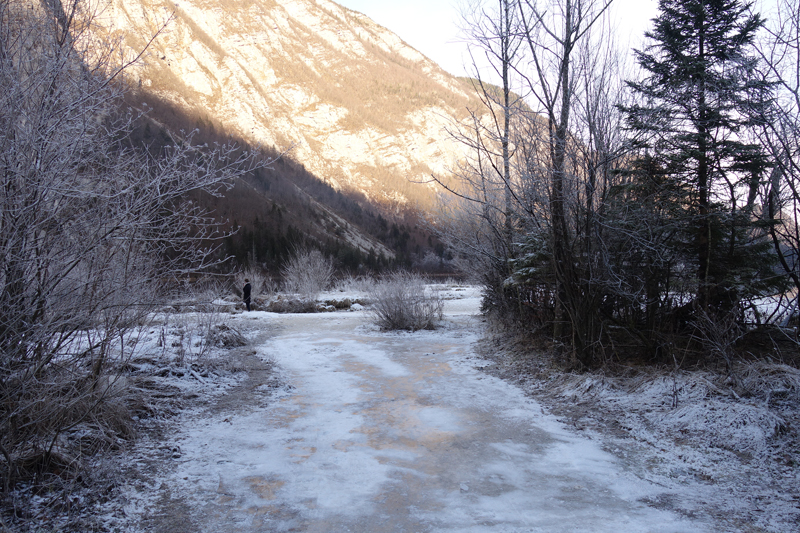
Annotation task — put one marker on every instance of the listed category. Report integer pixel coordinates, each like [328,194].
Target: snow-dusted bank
[373,431]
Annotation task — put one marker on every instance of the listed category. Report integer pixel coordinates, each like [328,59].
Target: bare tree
[542,149]
[484,182]
[93,230]
[554,33]
[779,49]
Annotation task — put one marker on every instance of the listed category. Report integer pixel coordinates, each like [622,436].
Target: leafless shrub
[204,292]
[93,232]
[349,283]
[307,272]
[719,334]
[345,303]
[196,333]
[69,421]
[402,301]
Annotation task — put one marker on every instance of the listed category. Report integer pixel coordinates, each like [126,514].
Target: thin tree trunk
[704,227]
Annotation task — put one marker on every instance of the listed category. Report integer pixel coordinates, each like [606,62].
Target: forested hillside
[281,205]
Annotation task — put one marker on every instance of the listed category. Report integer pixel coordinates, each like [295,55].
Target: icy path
[387,432]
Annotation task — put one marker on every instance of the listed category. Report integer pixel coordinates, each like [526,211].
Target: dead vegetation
[402,301]
[307,273]
[692,430]
[62,484]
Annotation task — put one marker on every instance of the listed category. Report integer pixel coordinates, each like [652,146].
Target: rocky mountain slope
[357,106]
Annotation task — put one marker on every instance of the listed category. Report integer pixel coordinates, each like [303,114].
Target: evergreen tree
[699,96]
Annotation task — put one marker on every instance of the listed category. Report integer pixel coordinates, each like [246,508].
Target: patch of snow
[714,453]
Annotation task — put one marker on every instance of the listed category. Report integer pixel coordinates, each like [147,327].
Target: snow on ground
[325,423]
[731,456]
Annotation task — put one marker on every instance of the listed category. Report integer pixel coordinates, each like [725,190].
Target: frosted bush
[355,284]
[307,272]
[403,301]
[769,380]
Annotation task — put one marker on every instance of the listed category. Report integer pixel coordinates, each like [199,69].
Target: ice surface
[379,431]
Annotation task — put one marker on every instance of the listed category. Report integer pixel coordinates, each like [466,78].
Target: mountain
[353,103]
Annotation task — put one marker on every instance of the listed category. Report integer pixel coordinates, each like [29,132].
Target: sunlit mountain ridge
[353,103]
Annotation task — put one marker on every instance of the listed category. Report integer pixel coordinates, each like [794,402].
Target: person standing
[246,293]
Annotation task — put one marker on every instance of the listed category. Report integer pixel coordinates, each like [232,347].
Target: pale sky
[432,26]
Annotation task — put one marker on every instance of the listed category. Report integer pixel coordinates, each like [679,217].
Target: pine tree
[698,98]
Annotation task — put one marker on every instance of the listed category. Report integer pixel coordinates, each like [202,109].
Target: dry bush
[93,231]
[402,301]
[359,284]
[718,335]
[725,424]
[196,333]
[209,293]
[307,272]
[772,381]
[74,416]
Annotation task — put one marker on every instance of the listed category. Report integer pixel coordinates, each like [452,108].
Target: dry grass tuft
[771,381]
[225,336]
